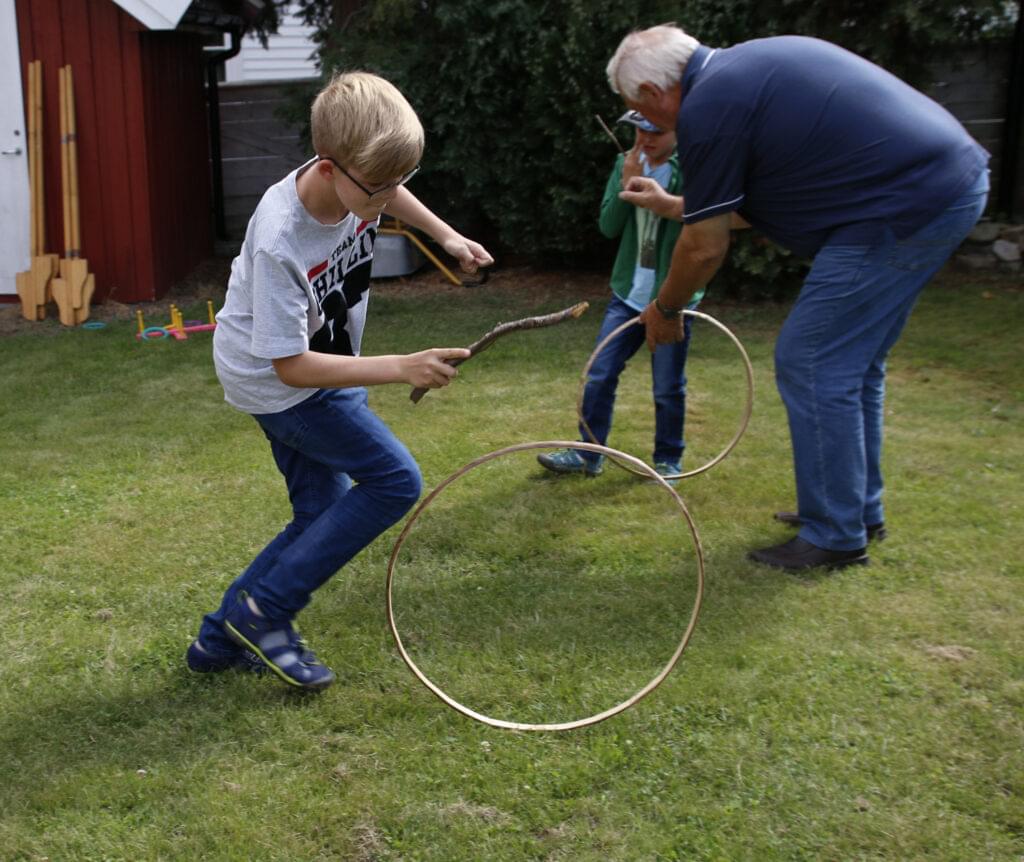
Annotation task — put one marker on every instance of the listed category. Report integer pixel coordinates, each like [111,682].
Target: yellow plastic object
[400,230]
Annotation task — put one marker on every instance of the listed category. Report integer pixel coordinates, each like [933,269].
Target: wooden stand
[74,289]
[34,284]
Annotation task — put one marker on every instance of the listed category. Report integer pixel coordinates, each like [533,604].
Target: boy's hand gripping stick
[501,329]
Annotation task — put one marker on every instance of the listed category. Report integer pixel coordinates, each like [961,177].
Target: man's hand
[645,192]
[428,368]
[631,167]
[470,255]
[658,330]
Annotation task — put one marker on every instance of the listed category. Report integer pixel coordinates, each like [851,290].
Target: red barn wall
[178,149]
[141,140]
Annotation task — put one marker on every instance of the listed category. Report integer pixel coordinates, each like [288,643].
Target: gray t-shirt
[296,285]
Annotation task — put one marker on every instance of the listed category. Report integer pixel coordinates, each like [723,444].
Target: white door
[14,192]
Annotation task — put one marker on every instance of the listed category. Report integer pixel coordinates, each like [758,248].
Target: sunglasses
[401,181]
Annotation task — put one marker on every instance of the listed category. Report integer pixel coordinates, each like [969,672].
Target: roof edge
[155,14]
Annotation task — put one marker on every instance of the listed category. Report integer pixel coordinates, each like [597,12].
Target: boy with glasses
[645,251]
[286,350]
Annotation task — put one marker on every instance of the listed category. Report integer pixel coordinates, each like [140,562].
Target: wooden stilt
[44,266]
[73,290]
[34,284]
[26,291]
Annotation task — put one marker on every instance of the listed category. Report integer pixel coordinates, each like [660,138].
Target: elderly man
[835,159]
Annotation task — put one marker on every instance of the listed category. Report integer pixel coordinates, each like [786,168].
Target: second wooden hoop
[744,421]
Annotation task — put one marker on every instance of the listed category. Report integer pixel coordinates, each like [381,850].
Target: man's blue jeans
[830,367]
[322,446]
[668,376]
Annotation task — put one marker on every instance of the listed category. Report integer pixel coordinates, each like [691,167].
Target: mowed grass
[874,713]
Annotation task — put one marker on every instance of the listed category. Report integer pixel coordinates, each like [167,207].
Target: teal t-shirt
[646,242]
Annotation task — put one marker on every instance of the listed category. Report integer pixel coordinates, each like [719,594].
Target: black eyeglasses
[370,194]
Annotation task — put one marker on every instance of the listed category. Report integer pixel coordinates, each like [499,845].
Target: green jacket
[618,218]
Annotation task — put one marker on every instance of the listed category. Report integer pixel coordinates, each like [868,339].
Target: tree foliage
[507,91]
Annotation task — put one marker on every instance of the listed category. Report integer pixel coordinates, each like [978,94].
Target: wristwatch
[668,313]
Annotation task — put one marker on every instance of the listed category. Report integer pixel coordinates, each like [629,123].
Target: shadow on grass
[551,598]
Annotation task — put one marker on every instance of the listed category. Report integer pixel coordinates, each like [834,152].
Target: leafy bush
[508,89]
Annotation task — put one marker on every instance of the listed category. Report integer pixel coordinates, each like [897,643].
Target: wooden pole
[43,265]
[40,172]
[74,288]
[76,238]
[33,161]
[64,170]
[25,281]
[61,289]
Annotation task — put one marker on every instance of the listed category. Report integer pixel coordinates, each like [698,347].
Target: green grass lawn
[876,713]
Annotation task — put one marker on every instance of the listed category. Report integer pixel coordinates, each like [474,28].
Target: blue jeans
[668,378]
[830,367]
[322,446]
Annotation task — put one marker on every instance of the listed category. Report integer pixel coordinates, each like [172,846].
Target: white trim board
[156,14]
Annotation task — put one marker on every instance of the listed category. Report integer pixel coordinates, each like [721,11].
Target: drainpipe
[213,61]
[1009,193]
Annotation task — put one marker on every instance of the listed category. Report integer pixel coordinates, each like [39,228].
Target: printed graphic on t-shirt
[340,283]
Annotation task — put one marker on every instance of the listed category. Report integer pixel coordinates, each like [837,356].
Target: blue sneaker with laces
[570,461]
[278,645]
[201,660]
[669,468]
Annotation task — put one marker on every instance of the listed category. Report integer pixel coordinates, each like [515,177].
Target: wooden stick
[43,264]
[30,114]
[35,149]
[76,236]
[36,167]
[37,155]
[65,170]
[40,172]
[501,329]
[611,134]
[33,243]
[26,281]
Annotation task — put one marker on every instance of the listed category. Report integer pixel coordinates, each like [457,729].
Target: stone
[1013,233]
[985,231]
[975,261]
[1006,250]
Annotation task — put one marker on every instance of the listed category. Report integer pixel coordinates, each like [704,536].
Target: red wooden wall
[142,142]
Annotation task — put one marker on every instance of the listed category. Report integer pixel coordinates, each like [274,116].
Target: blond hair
[364,122]
[657,55]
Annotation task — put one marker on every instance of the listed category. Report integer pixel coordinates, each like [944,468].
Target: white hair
[657,56]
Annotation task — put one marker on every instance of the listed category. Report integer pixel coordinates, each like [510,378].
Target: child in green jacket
[645,251]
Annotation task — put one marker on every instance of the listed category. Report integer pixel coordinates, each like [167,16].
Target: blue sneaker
[570,461]
[669,468]
[201,660]
[277,645]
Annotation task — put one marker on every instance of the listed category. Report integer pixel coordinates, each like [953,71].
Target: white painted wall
[15,216]
[286,58]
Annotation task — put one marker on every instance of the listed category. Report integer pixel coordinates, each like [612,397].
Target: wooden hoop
[566,725]
[744,421]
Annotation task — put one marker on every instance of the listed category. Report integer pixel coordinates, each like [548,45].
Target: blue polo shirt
[810,143]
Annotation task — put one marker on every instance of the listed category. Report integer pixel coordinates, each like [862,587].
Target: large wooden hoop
[565,725]
[744,420]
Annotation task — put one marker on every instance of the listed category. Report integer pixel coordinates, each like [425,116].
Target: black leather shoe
[876,532]
[798,553]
